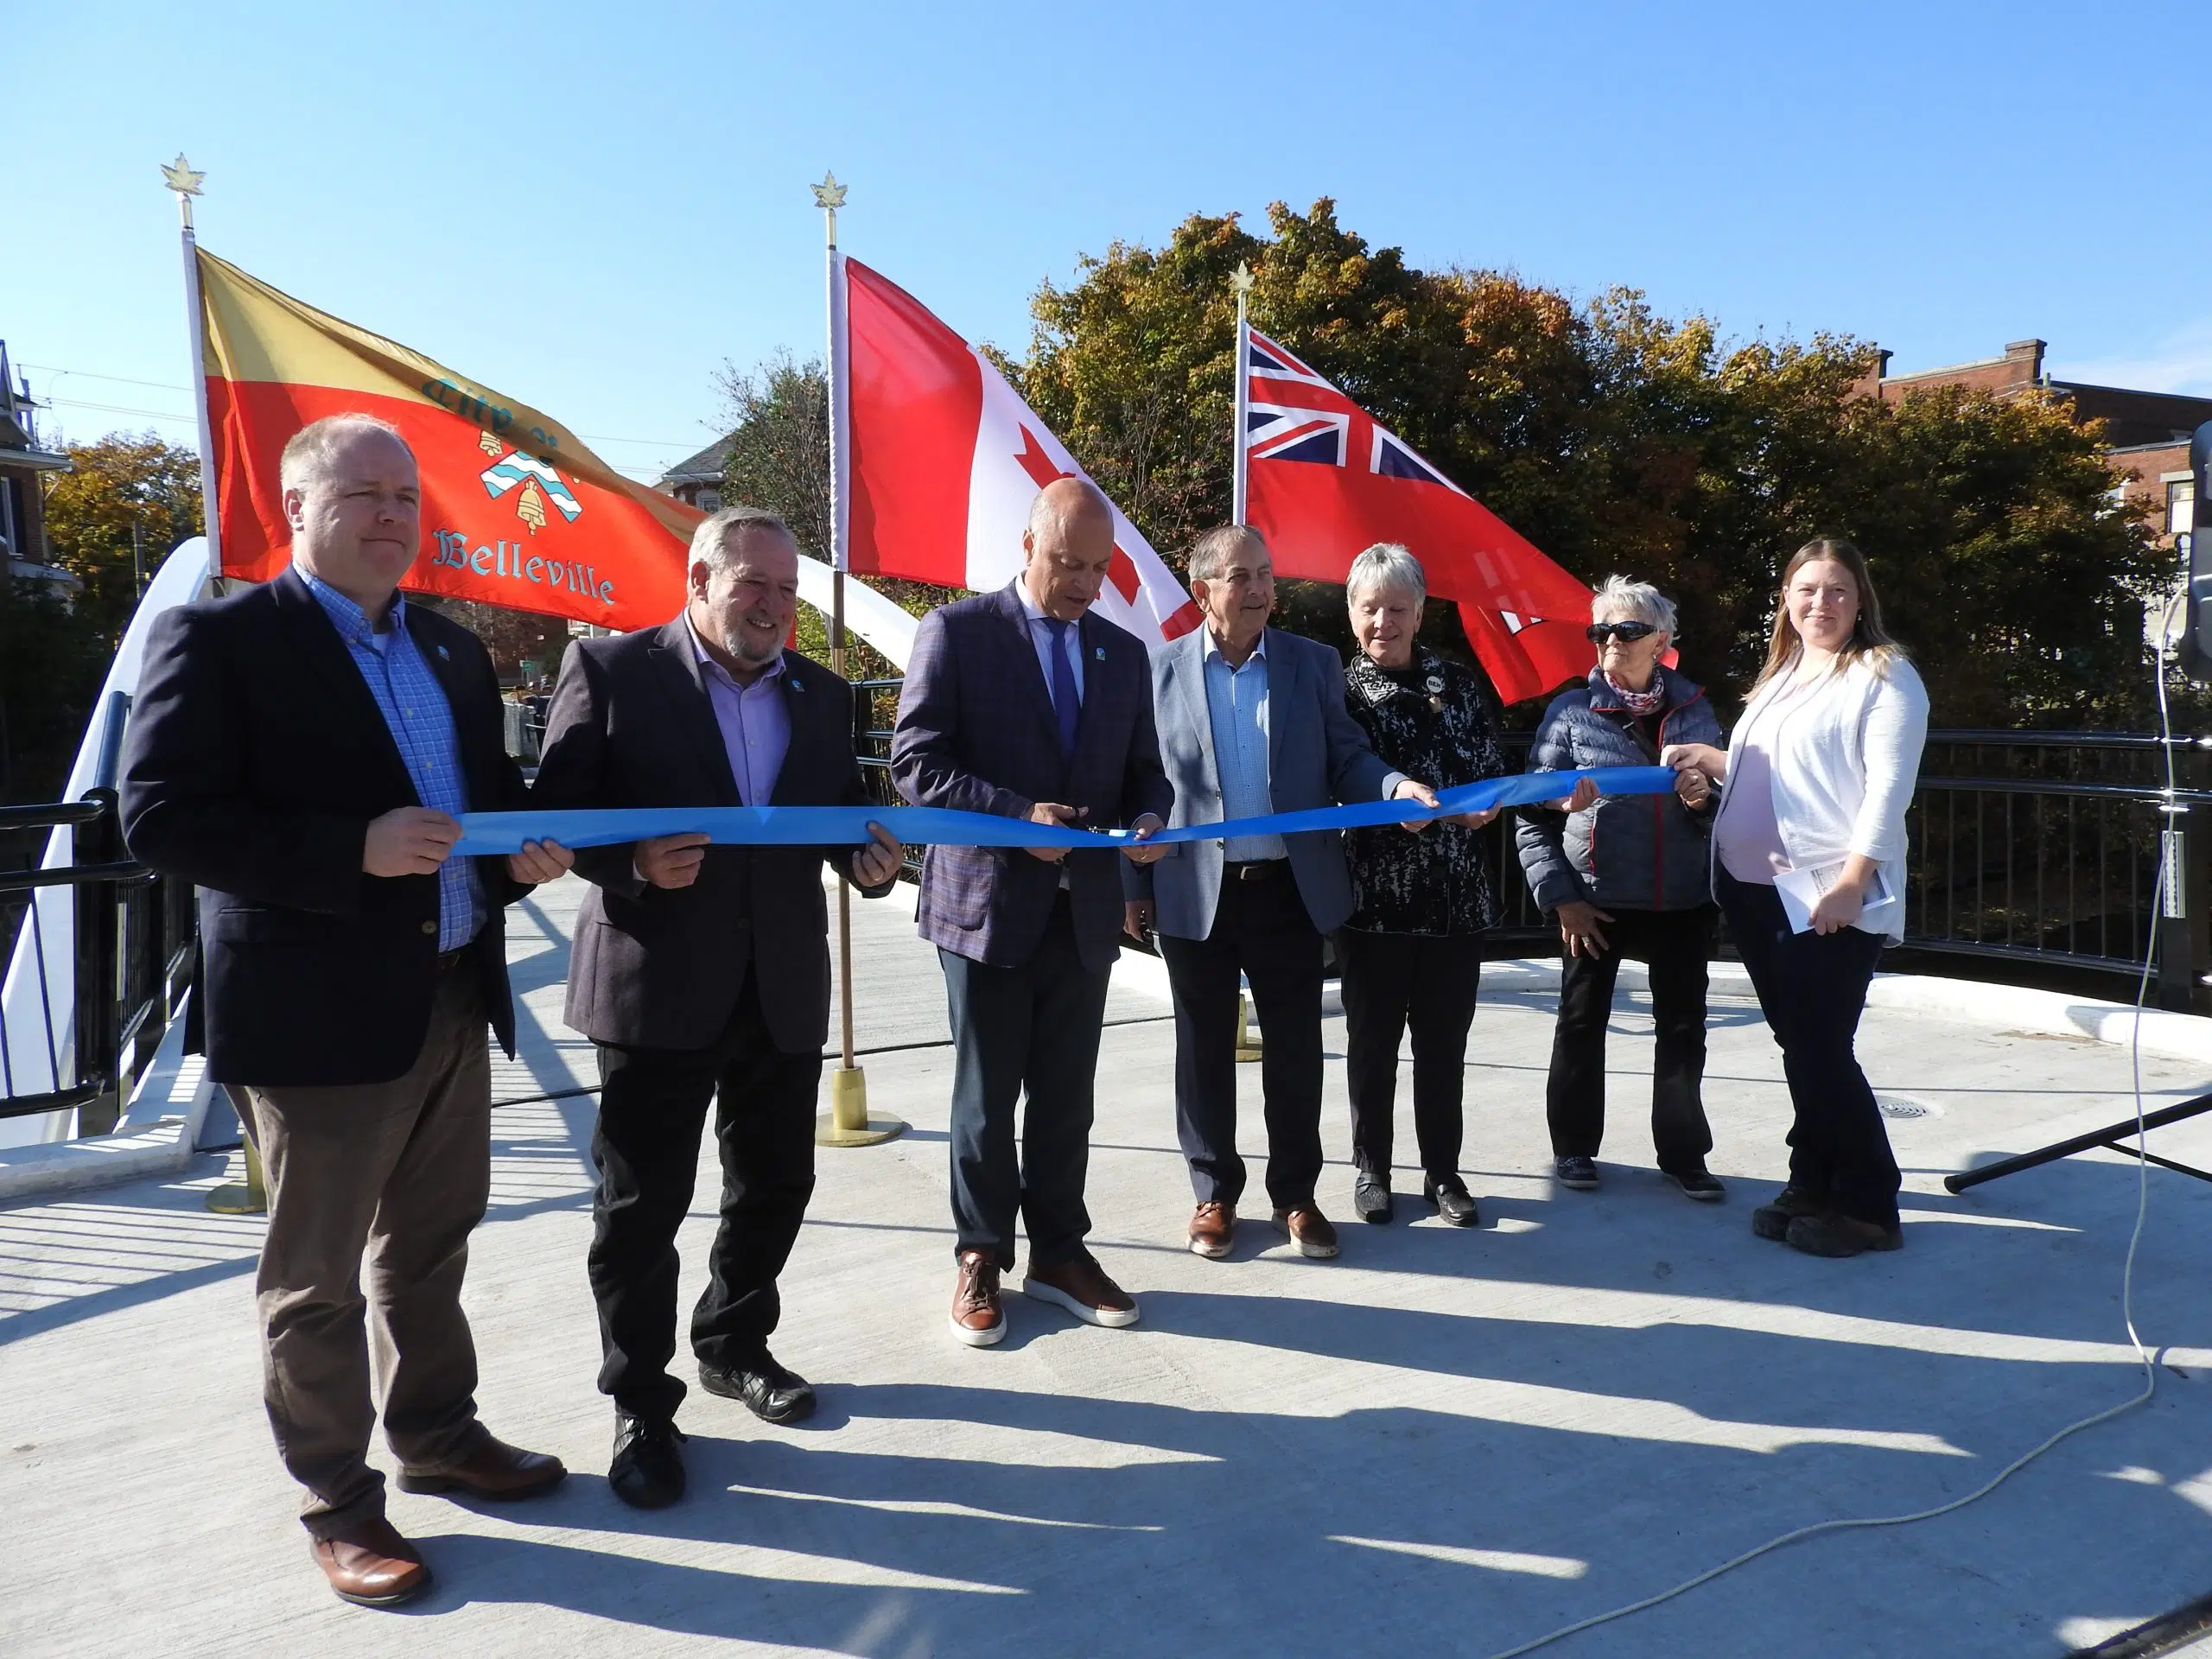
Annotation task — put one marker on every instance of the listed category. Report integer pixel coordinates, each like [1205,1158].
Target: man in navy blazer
[1252,720]
[300,750]
[1026,704]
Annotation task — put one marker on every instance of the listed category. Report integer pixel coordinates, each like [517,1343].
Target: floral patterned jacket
[1430,722]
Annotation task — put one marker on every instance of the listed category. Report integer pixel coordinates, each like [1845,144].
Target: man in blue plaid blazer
[1024,704]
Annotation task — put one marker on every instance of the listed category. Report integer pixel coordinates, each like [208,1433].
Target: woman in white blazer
[1808,866]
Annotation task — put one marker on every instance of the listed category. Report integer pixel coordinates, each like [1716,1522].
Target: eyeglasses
[1627,633]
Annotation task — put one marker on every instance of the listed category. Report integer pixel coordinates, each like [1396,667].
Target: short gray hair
[1216,547]
[307,455]
[1387,564]
[712,541]
[1640,600]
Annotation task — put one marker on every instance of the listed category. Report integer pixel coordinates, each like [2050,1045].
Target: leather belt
[449,960]
[1254,869]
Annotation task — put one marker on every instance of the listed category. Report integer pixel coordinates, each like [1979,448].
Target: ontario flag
[1322,482]
[936,459]
[516,510]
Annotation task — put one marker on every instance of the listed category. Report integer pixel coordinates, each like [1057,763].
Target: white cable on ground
[2126,1282]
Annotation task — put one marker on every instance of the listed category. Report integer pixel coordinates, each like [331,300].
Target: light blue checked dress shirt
[421,722]
[1236,703]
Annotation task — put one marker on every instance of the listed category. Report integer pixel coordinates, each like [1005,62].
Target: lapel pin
[443,652]
[1100,653]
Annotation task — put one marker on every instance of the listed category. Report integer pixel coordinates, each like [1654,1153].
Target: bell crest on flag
[539,485]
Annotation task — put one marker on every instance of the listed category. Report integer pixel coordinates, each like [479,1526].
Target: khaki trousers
[402,1170]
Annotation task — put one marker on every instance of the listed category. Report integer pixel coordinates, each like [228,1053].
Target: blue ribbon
[485,833]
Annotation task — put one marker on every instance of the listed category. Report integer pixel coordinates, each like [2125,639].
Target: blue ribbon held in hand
[484,834]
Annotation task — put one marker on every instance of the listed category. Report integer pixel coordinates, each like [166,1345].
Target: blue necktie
[1065,703]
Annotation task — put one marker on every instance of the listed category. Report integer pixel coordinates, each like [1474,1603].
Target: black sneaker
[1454,1203]
[1772,1220]
[771,1392]
[1580,1173]
[1370,1197]
[647,1470]
[1700,1184]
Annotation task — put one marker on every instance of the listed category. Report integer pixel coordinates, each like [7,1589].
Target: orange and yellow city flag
[516,510]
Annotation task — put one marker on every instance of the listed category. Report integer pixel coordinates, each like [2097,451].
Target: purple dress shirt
[756,725]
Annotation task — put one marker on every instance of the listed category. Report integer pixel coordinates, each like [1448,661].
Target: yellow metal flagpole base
[846,1123]
[249,1197]
[1248,1041]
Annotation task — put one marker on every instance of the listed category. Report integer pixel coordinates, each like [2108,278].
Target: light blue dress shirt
[1237,705]
[1041,637]
[419,719]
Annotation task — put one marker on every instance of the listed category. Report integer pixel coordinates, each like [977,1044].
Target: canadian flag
[936,460]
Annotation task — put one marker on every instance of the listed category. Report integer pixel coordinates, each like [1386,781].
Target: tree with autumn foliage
[1616,439]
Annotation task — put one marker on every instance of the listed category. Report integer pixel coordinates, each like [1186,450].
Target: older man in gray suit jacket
[1251,720]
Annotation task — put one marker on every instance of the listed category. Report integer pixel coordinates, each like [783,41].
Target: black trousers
[1260,929]
[1391,981]
[1677,946]
[653,1109]
[1033,1027]
[1812,989]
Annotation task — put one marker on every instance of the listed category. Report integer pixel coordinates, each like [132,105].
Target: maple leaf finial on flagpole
[830,196]
[1240,283]
[179,176]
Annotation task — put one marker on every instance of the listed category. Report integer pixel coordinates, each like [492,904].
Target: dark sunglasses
[1627,633]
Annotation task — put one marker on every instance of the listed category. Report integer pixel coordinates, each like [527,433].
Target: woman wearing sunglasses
[1626,876]
[1808,865]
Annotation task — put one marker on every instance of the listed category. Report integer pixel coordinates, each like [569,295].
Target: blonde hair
[1868,643]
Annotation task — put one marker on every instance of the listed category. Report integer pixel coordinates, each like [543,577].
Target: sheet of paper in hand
[1800,890]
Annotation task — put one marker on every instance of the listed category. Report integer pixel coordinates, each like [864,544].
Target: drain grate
[1901,1108]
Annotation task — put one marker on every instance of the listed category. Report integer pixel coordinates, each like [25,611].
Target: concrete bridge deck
[1449,1441]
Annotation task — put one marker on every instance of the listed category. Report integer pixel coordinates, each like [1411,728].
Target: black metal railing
[2034,848]
[82,1046]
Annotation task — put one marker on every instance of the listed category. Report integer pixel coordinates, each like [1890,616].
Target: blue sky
[590,209]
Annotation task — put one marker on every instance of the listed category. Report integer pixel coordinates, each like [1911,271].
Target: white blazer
[1845,755]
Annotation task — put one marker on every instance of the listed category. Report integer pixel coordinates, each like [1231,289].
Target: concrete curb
[155,1137]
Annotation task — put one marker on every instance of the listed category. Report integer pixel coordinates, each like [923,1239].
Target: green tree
[123,488]
[1616,439]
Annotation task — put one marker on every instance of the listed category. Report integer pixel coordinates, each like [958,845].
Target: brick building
[2146,432]
[696,482]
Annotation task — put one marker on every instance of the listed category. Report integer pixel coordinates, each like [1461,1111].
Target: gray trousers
[400,1171]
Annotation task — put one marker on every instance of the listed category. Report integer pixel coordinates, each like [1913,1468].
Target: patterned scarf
[1639,703]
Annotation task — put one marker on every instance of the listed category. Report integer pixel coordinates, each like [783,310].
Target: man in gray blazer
[1252,720]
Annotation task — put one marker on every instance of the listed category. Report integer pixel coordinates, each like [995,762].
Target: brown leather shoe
[977,1318]
[1081,1286]
[1213,1230]
[369,1565]
[493,1469]
[1308,1229]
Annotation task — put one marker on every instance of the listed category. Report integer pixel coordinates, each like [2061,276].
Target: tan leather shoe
[493,1469]
[1083,1289]
[1213,1230]
[1308,1229]
[977,1318]
[369,1565]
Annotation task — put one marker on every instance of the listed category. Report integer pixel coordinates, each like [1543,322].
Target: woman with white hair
[1626,876]
[1411,954]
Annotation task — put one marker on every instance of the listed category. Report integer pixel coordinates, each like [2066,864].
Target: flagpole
[1241,280]
[847,1122]
[251,1196]
[179,176]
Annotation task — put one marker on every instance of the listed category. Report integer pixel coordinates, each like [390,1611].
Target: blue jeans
[1812,989]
